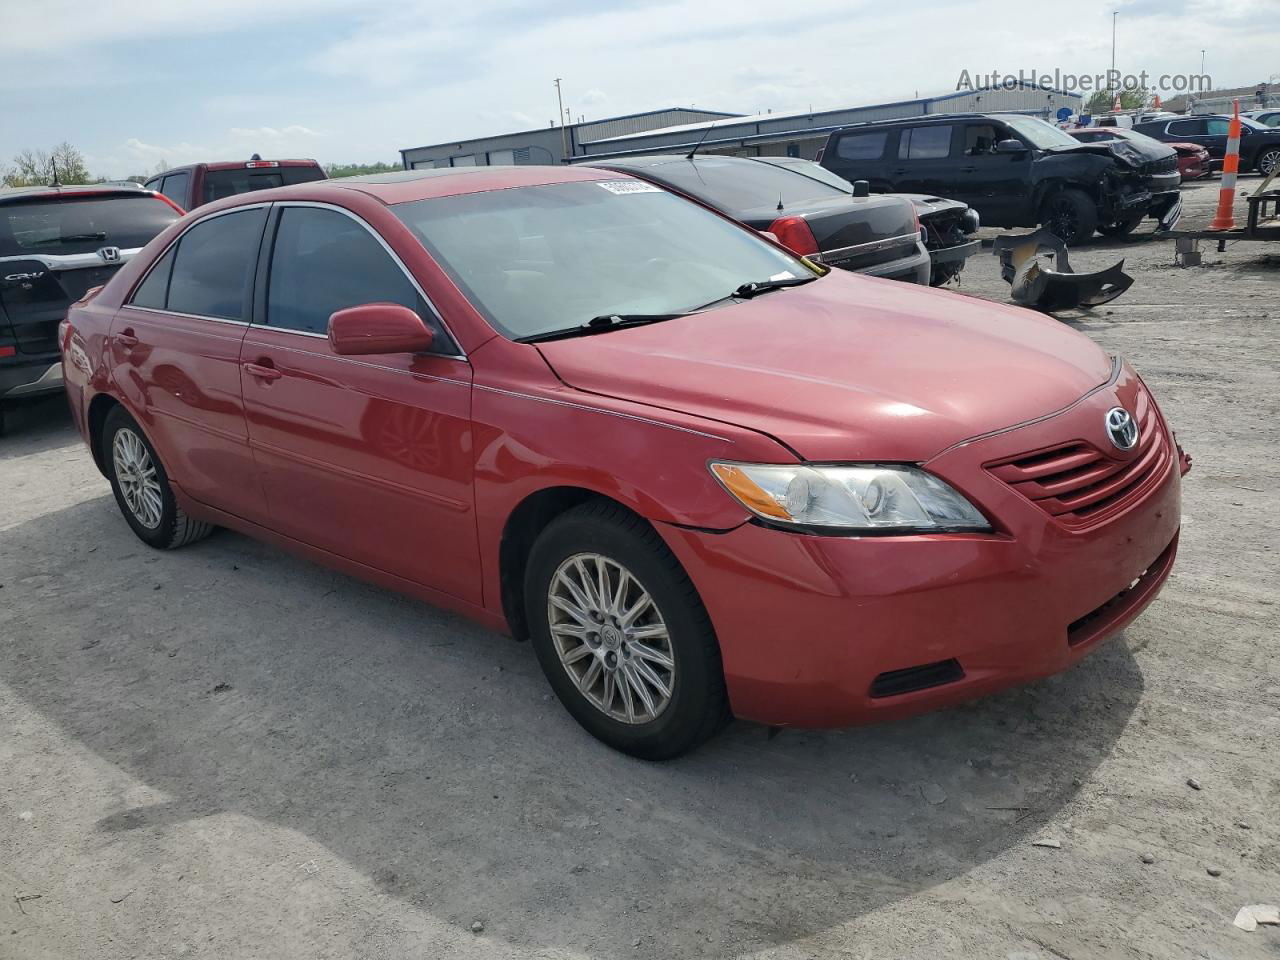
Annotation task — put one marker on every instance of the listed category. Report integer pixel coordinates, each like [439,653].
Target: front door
[175,353]
[994,184]
[366,457]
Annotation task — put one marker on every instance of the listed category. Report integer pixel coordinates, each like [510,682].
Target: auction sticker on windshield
[628,186]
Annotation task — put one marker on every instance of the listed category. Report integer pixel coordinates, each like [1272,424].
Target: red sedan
[703,476]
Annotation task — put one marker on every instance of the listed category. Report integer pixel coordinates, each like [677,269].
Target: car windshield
[1043,136]
[1254,124]
[540,259]
[66,225]
[735,184]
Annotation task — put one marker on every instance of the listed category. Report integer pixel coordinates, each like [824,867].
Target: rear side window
[324,261]
[153,291]
[175,188]
[229,183]
[213,269]
[1187,128]
[924,143]
[63,225]
[862,146]
[1218,127]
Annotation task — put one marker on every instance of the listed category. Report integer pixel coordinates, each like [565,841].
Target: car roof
[659,159]
[232,165]
[933,118]
[70,191]
[405,186]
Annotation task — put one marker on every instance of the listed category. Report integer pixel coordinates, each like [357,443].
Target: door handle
[262,372]
[968,169]
[127,338]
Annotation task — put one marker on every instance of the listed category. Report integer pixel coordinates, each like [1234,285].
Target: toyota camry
[705,477]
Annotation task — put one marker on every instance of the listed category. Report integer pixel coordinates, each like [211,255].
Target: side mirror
[861,188]
[377,328]
[1011,146]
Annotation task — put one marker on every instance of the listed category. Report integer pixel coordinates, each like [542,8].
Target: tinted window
[175,188]
[537,259]
[322,262]
[924,143]
[735,184]
[228,183]
[980,139]
[1187,128]
[153,290]
[862,146]
[213,272]
[62,225]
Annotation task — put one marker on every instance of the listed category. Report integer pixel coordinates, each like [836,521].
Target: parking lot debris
[1242,825]
[933,794]
[221,688]
[1148,858]
[1187,252]
[1036,267]
[122,897]
[1049,842]
[477,926]
[1213,871]
[1250,916]
[1193,783]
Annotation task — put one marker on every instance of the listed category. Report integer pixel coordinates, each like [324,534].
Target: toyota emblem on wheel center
[1122,429]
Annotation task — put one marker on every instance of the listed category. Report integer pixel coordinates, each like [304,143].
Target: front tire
[141,486]
[1070,215]
[1267,161]
[622,635]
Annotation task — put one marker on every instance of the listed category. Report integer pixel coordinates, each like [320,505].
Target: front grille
[895,682]
[1079,484]
[1167,165]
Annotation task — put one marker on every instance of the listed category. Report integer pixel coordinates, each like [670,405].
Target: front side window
[175,188]
[980,139]
[539,259]
[924,143]
[324,261]
[862,146]
[213,267]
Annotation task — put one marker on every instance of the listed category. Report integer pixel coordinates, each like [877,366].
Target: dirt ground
[226,752]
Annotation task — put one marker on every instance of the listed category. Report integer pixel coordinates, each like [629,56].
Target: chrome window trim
[189,316]
[435,311]
[870,247]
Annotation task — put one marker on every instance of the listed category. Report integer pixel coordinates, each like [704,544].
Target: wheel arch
[100,408]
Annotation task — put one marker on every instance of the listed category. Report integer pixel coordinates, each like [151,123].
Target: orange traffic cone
[1116,107]
[1155,104]
[1224,220]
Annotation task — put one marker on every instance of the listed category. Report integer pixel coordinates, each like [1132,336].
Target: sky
[137,84]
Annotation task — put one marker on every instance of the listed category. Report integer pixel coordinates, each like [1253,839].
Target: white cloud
[273,133]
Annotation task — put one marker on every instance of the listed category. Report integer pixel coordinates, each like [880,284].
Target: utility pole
[1114,14]
[1202,63]
[564,137]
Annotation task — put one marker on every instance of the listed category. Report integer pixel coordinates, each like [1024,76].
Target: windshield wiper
[602,324]
[73,238]
[756,287]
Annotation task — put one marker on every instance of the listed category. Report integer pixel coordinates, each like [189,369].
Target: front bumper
[809,626]
[31,378]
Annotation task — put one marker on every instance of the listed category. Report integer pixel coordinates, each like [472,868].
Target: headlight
[848,499]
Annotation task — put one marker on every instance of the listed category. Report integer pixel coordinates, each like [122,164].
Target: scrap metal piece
[1037,268]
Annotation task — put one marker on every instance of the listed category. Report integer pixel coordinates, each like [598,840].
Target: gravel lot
[227,752]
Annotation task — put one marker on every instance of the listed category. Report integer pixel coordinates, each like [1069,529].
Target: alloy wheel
[1064,221]
[611,638]
[1268,162]
[137,477]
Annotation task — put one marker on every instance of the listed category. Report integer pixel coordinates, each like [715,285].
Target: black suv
[1259,144]
[55,244]
[1016,171]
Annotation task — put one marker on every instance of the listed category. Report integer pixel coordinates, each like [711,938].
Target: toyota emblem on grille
[110,254]
[1122,429]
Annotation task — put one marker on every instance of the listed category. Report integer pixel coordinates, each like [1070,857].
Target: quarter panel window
[1187,128]
[925,143]
[154,290]
[862,146]
[213,269]
[324,261]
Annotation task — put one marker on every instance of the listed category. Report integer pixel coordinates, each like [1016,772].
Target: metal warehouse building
[679,128]
[546,145]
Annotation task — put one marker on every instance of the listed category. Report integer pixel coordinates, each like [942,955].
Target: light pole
[1114,14]
[564,141]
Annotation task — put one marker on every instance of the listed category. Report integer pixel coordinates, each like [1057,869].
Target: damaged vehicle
[878,236]
[949,225]
[1158,165]
[1016,171]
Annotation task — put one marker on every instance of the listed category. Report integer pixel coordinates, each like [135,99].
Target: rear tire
[1071,215]
[664,661]
[141,486]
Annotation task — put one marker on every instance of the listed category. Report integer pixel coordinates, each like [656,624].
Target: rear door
[53,250]
[860,155]
[366,457]
[924,163]
[175,353]
[1198,130]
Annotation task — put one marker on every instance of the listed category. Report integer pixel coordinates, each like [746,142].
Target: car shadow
[35,425]
[427,753]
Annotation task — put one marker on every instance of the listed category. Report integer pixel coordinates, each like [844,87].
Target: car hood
[846,368]
[1131,153]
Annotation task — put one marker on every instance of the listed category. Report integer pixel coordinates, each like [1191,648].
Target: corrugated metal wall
[621,126]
